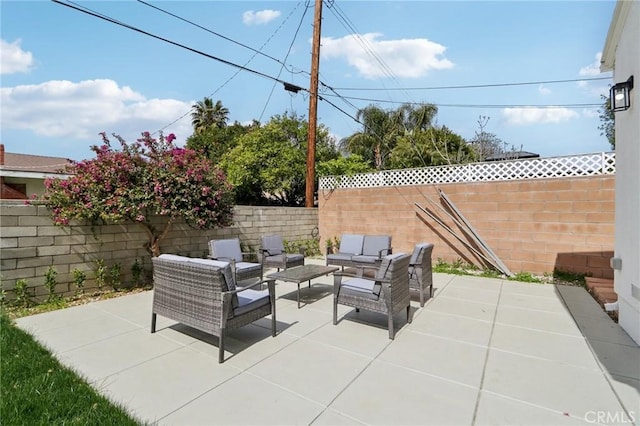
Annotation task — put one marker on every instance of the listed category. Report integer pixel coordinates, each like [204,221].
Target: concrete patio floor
[481,352]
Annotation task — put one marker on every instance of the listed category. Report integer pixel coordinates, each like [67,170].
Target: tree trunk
[155,240]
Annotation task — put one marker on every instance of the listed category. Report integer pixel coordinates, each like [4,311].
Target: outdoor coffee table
[302,273]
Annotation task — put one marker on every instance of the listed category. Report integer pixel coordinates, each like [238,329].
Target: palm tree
[205,114]
[382,130]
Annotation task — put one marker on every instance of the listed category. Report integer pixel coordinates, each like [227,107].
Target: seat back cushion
[417,252]
[351,243]
[273,244]
[374,243]
[229,249]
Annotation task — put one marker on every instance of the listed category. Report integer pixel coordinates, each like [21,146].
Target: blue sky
[66,76]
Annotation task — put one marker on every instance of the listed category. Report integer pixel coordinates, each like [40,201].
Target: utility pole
[313,106]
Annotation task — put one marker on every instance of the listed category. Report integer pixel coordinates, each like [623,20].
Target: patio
[482,351]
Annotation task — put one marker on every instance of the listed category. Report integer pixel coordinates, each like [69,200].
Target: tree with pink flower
[150,177]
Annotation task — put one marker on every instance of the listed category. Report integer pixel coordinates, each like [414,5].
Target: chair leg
[391,331]
[221,347]
[421,297]
[335,311]
[153,323]
[357,309]
[408,313]
[273,322]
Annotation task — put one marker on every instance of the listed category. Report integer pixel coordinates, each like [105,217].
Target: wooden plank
[444,225]
[476,236]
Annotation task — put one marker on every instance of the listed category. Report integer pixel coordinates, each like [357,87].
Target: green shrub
[101,274]
[50,283]
[115,275]
[136,272]
[79,277]
[21,292]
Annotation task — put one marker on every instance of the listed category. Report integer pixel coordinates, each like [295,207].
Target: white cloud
[13,59]
[405,57]
[593,68]
[543,90]
[590,113]
[534,115]
[81,110]
[261,17]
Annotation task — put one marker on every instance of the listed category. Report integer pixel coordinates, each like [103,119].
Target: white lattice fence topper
[538,168]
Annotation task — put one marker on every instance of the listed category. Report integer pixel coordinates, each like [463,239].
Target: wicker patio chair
[273,255]
[229,250]
[387,292]
[201,293]
[420,272]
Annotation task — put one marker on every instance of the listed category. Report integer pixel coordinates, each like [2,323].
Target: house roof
[620,14]
[27,165]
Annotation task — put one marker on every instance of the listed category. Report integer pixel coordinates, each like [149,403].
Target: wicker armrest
[384,252]
[346,274]
[257,283]
[226,259]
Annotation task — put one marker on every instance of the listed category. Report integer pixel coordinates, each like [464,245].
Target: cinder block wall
[532,225]
[30,243]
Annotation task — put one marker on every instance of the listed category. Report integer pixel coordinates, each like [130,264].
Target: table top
[302,273]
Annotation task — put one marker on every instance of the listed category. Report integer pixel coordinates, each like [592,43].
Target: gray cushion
[228,249]
[248,266]
[365,259]
[273,244]
[249,300]
[373,244]
[416,252]
[361,287]
[339,256]
[282,257]
[351,243]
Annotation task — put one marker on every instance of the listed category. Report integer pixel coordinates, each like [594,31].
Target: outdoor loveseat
[202,294]
[357,250]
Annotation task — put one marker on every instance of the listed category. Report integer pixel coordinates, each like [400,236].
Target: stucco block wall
[30,243]
[532,225]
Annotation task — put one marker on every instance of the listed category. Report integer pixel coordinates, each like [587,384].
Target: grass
[14,310]
[37,389]
[570,277]
[460,268]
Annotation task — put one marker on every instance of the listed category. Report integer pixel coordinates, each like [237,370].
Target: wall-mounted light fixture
[620,96]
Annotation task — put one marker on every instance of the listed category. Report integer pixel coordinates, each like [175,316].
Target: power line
[295,36]
[368,48]
[476,86]
[256,52]
[216,33]
[586,105]
[199,52]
